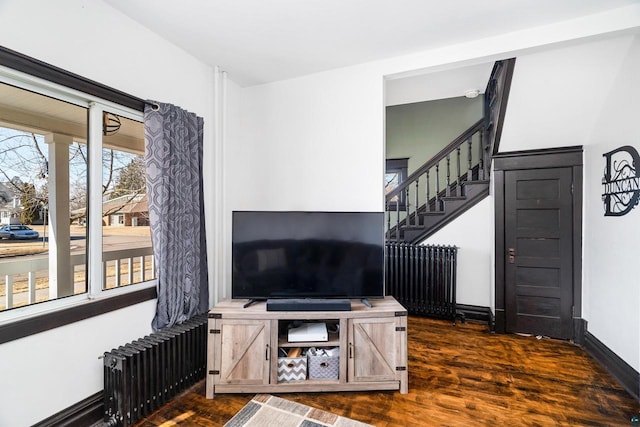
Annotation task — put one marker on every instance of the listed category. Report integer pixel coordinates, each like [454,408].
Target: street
[113,238]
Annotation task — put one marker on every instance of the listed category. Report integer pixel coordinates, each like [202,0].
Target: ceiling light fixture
[472,93]
[110,124]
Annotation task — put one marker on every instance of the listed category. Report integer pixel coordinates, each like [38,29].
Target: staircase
[457,177]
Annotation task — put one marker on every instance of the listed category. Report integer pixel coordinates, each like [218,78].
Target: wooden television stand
[244,344]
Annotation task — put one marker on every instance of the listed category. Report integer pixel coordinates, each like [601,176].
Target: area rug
[266,410]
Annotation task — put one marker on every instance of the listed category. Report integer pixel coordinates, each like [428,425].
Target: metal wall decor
[621,181]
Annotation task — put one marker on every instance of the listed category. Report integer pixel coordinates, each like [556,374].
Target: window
[43,172]
[71,256]
[126,237]
[395,174]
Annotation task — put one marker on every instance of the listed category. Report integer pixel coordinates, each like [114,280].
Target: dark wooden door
[538,233]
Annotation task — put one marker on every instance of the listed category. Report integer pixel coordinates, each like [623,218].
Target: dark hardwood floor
[459,375]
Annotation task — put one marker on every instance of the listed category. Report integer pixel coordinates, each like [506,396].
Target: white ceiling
[260,41]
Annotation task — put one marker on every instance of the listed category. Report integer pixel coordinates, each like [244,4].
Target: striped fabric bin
[292,369]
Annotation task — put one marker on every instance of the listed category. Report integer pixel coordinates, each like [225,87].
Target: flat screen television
[307,254]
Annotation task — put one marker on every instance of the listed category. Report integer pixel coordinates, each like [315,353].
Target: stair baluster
[388,211]
[428,198]
[458,180]
[415,210]
[483,156]
[398,218]
[447,192]
[406,205]
[469,159]
[480,159]
[438,187]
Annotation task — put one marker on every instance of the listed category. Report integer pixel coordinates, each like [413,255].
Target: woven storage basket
[292,369]
[324,367]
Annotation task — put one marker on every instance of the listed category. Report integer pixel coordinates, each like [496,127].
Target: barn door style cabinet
[368,348]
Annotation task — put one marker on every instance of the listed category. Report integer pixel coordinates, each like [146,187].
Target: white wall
[472,233]
[557,95]
[588,95]
[316,142]
[45,373]
[611,254]
[313,143]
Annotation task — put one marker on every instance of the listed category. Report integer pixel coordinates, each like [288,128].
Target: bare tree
[131,178]
[23,173]
[24,170]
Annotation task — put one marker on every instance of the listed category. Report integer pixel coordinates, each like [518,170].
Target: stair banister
[422,219]
[442,154]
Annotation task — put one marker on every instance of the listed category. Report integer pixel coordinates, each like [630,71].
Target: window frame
[31,74]
[400,167]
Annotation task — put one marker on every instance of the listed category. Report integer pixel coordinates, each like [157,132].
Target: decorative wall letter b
[621,181]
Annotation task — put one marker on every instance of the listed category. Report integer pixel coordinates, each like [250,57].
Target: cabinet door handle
[350,350]
[267,353]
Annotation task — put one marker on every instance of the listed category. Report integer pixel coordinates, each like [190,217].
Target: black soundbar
[308,304]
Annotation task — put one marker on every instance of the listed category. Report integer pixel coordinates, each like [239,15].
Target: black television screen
[307,254]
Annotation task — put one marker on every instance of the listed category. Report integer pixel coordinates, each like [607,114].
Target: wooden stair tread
[413,227]
[432,213]
[453,206]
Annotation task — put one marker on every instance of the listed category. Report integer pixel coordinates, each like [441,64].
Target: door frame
[538,159]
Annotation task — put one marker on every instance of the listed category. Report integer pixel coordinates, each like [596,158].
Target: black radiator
[141,376]
[422,278]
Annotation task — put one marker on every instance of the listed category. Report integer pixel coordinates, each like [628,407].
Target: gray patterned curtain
[173,161]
